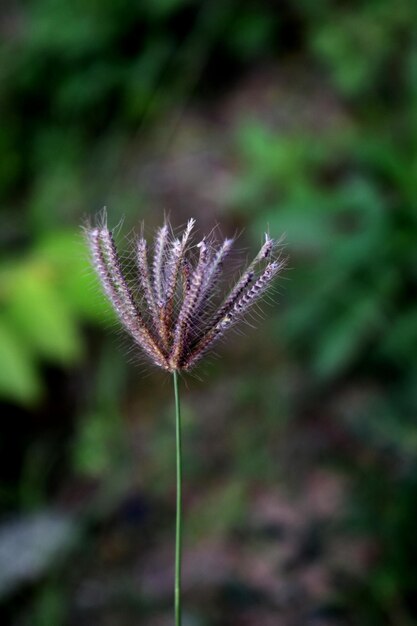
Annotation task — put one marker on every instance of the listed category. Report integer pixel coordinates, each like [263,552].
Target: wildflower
[177,316]
[178,319]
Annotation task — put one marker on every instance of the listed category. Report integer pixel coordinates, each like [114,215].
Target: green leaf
[19,378]
[67,255]
[41,317]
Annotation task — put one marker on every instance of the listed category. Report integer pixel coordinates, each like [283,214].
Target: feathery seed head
[179,319]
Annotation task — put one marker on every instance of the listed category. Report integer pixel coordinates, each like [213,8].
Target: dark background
[300,442]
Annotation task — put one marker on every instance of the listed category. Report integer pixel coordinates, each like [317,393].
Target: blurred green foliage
[81,82]
[348,304]
[46,295]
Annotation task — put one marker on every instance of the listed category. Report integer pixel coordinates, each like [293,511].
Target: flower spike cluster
[176,319]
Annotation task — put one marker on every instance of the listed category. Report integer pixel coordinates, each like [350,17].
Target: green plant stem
[178,536]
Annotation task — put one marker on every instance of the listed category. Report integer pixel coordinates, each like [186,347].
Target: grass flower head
[178,316]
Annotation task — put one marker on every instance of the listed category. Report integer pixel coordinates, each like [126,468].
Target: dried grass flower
[176,315]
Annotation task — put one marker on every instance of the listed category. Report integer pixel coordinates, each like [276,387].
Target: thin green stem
[178,536]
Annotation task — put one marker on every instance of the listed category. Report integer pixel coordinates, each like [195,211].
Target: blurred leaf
[340,342]
[41,317]
[19,378]
[275,157]
[81,33]
[355,48]
[66,253]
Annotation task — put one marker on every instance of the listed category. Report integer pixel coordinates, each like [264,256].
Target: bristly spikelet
[107,264]
[144,276]
[161,240]
[180,321]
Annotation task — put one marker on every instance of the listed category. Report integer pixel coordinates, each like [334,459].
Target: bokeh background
[301,440]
